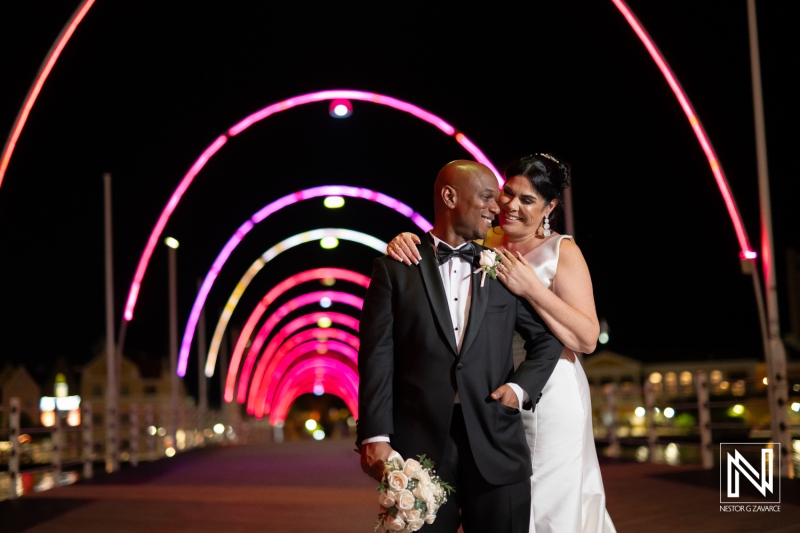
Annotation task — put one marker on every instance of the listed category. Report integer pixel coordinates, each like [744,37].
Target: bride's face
[522,208]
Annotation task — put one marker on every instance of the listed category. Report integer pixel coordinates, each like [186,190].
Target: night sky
[142,89]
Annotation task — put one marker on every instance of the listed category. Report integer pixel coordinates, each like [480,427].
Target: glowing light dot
[765,381]
[329,242]
[318,434]
[170,452]
[219,429]
[311,424]
[328,282]
[324,322]
[737,409]
[172,243]
[639,411]
[669,412]
[325,302]
[333,202]
[319,389]
[603,338]
[796,407]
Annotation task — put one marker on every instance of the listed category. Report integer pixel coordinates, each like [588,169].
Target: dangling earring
[546,231]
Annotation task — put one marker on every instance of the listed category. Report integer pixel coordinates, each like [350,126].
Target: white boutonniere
[488,262]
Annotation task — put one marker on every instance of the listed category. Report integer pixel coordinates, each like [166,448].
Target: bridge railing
[648,418]
[61,453]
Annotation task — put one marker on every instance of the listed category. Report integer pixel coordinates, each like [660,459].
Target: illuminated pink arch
[277,341]
[238,236]
[315,349]
[267,385]
[746,252]
[281,312]
[261,262]
[219,142]
[262,389]
[271,296]
[339,380]
[83,8]
[44,71]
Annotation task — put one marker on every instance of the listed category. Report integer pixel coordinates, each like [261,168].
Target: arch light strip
[271,296]
[255,268]
[306,350]
[278,315]
[302,378]
[61,41]
[155,235]
[260,396]
[746,251]
[261,215]
[275,344]
[44,71]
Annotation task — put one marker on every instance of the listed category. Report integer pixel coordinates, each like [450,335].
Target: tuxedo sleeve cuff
[379,438]
[522,396]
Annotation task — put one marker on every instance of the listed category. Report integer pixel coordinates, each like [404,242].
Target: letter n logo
[754,463]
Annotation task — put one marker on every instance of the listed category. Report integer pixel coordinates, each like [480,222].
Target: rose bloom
[397,480]
[405,500]
[387,499]
[416,524]
[488,257]
[394,523]
[411,514]
[412,467]
[430,518]
[423,492]
[424,477]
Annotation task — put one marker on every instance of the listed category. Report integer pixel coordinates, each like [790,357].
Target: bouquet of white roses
[410,494]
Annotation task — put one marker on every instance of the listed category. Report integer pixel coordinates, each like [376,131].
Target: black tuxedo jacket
[410,367]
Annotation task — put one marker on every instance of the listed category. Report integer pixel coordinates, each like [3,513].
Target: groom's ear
[449,195]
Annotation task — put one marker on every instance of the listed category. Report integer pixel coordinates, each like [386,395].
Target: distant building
[15,381]
[144,393]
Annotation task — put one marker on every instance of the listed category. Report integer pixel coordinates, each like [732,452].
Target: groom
[435,365]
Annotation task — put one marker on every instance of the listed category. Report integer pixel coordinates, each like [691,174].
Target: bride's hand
[515,272]
[402,248]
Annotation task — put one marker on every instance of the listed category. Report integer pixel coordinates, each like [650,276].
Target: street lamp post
[173,339]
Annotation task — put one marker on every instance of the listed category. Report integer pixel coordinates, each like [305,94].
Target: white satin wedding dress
[567,494]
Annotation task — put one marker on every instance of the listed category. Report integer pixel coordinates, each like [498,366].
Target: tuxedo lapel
[432,279]
[477,308]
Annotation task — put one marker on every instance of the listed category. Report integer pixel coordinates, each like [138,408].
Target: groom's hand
[505,395]
[373,458]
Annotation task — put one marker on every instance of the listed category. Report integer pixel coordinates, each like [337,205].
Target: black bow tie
[444,253]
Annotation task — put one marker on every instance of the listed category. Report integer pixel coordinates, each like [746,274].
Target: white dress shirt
[457,280]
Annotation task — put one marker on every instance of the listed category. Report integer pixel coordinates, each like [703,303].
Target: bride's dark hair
[549,175]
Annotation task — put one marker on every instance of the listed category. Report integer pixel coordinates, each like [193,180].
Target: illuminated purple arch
[285,309]
[61,41]
[219,142]
[238,236]
[272,295]
[255,268]
[277,341]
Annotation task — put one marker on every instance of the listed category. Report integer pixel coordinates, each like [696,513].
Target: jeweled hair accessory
[551,158]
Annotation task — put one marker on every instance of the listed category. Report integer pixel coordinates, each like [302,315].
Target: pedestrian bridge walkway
[318,487]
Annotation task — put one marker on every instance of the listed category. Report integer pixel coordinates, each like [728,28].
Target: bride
[550,272]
